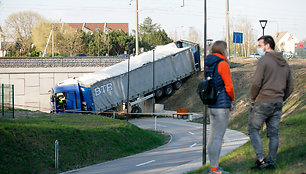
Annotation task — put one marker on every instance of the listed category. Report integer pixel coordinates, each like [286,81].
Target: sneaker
[270,165]
[218,171]
[260,165]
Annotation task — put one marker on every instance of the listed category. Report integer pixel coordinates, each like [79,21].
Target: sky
[282,15]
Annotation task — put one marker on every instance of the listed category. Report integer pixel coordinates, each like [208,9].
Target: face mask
[260,51]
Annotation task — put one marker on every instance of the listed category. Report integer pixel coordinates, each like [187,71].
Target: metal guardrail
[49,62]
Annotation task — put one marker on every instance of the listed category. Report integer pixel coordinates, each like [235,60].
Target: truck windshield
[60,100]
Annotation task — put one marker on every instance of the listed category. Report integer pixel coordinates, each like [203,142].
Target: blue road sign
[237,37]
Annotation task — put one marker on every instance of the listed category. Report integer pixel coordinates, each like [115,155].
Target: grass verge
[27,144]
[291,153]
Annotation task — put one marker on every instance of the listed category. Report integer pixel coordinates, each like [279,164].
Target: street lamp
[128,84]
[263,24]
[205,106]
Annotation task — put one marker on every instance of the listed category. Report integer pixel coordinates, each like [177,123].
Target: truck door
[71,101]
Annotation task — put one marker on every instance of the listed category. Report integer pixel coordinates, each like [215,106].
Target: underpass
[33,77]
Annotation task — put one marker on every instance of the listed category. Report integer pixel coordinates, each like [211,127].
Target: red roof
[93,26]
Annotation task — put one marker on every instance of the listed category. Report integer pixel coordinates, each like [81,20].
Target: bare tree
[18,28]
[244,26]
[193,35]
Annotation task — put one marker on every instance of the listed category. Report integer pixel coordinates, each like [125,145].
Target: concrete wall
[32,84]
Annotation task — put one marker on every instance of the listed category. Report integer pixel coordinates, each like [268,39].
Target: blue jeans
[219,118]
[270,113]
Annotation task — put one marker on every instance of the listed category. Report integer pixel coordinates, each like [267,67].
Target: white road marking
[191,133]
[193,145]
[145,163]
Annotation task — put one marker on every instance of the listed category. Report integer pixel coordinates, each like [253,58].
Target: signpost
[237,38]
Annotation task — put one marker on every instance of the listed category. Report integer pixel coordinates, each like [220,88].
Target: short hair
[219,47]
[268,40]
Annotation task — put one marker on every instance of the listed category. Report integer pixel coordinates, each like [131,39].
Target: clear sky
[282,15]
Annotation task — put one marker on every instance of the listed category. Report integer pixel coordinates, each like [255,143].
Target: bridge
[33,77]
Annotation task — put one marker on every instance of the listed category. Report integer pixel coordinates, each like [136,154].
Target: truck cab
[66,96]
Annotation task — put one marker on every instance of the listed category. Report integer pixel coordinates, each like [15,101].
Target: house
[285,42]
[105,27]
[300,49]
[2,43]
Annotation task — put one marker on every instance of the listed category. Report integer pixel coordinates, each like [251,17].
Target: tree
[152,35]
[69,42]
[249,41]
[193,35]
[18,27]
[147,26]
[41,33]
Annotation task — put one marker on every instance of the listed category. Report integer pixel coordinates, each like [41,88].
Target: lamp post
[153,78]
[205,106]
[263,24]
[128,84]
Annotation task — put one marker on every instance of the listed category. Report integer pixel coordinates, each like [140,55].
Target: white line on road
[145,163]
[193,145]
[191,133]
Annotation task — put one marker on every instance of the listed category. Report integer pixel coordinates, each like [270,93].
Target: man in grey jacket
[272,84]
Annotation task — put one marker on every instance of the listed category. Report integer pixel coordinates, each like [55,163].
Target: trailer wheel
[177,85]
[136,109]
[168,90]
[159,93]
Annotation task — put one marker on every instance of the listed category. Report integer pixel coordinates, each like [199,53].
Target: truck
[126,84]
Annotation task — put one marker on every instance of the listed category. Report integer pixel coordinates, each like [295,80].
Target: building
[300,49]
[105,27]
[285,42]
[2,43]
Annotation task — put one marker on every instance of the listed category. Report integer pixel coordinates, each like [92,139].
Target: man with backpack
[272,84]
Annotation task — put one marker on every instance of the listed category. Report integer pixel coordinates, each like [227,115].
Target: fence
[49,62]
[7,100]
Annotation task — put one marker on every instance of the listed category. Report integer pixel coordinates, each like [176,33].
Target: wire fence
[7,100]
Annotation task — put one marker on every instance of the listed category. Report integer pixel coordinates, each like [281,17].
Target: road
[181,154]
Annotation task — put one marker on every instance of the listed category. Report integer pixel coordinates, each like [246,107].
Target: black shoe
[260,165]
[270,165]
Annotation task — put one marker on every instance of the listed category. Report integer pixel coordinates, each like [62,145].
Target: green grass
[291,153]
[27,144]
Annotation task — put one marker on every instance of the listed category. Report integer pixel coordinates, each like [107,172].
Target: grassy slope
[292,141]
[242,74]
[291,153]
[27,144]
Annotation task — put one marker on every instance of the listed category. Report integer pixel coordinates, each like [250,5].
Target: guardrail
[49,62]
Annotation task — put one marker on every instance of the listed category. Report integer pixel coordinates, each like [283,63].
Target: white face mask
[261,52]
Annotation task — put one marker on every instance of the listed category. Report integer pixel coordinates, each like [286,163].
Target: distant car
[124,55]
[79,55]
[255,55]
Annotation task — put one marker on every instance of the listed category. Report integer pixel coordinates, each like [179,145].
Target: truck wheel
[159,93]
[177,85]
[136,109]
[168,90]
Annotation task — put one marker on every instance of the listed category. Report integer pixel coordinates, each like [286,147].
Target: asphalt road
[182,153]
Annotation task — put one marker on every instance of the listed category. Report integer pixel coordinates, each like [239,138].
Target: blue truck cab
[69,97]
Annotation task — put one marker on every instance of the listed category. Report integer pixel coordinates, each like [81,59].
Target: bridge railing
[48,62]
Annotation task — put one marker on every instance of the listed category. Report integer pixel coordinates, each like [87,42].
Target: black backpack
[206,90]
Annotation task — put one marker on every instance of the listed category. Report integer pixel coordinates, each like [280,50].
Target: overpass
[33,77]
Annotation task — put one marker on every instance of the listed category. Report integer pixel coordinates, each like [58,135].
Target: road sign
[237,37]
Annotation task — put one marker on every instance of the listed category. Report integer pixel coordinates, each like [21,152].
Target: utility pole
[137,44]
[227,28]
[52,40]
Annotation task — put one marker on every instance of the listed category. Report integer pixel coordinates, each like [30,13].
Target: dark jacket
[223,99]
[272,82]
